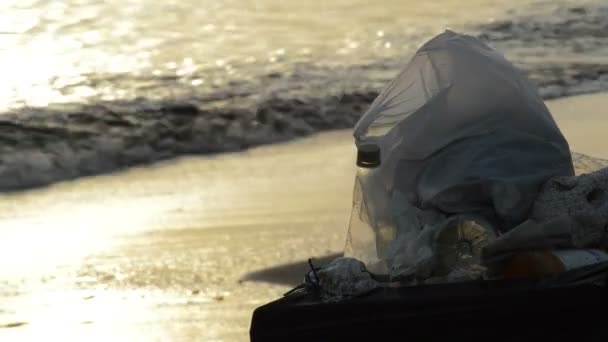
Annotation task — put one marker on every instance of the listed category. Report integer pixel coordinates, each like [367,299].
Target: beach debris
[570,213]
[583,200]
[410,254]
[571,195]
[344,278]
[445,144]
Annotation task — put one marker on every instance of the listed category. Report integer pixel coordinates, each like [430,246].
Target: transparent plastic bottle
[370,227]
[458,246]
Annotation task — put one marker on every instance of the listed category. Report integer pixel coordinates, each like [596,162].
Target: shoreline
[76,154]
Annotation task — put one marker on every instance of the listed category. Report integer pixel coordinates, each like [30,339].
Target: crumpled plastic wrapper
[345,278]
[411,253]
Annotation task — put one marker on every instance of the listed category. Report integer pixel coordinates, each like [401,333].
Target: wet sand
[185,250]
[584,121]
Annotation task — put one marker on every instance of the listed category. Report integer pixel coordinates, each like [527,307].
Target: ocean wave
[40,146]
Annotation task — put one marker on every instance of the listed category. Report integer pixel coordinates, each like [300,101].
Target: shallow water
[90,50]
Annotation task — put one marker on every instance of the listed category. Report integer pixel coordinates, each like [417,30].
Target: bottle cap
[368,155]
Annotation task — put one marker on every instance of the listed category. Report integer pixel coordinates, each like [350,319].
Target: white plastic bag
[462,132]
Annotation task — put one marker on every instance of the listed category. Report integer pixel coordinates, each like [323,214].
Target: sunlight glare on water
[83,50]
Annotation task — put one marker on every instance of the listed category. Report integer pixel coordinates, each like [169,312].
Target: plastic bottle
[458,246]
[536,264]
[370,223]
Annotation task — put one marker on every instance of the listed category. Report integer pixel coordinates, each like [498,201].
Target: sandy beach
[186,249]
[582,119]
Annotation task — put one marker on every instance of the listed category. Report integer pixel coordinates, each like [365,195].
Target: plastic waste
[459,244]
[449,251]
[460,131]
[536,264]
[344,278]
[371,224]
[410,255]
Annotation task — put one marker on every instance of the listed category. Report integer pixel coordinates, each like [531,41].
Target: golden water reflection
[76,51]
[158,253]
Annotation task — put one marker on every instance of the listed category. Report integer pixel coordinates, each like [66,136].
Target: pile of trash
[463,174]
